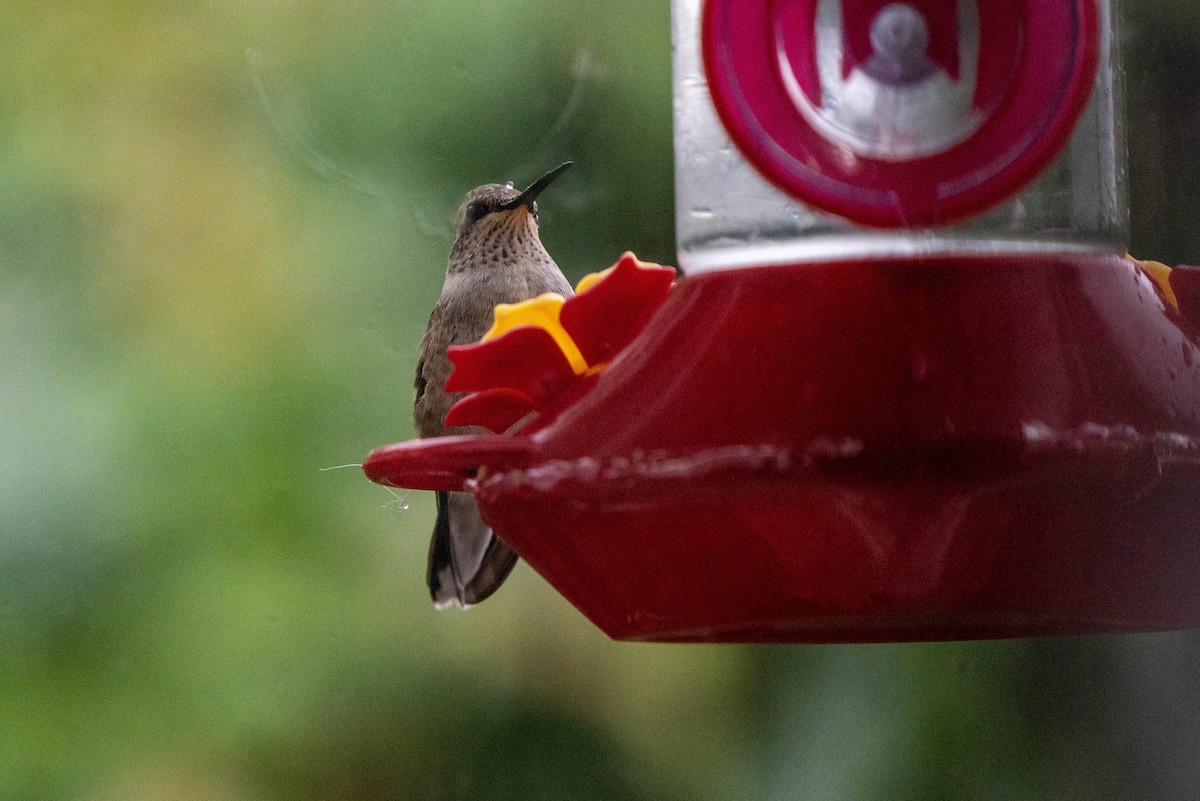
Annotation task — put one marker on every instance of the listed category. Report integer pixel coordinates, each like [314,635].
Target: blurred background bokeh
[222,226]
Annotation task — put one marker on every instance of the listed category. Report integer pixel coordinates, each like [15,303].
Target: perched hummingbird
[497,257]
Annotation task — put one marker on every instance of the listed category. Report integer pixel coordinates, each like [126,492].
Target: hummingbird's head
[492,211]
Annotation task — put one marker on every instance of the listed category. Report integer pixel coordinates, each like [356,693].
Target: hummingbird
[497,257]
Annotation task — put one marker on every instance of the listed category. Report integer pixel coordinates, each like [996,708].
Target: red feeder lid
[900,114]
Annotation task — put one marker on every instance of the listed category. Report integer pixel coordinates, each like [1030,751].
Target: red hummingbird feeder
[911,389]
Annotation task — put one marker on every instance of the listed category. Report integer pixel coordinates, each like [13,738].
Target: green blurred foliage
[222,226]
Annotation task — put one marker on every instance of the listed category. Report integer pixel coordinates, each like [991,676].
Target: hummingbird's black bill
[527,197]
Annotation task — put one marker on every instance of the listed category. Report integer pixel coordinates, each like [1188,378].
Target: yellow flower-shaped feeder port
[1160,274]
[542,312]
[543,354]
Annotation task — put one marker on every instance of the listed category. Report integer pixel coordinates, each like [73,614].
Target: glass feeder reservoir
[819,130]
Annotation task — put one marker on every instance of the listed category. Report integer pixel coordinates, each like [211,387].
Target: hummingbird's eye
[475,212]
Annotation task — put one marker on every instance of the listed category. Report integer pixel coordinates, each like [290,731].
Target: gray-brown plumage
[497,257]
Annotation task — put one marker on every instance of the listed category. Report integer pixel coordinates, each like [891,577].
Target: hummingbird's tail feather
[440,575]
[467,562]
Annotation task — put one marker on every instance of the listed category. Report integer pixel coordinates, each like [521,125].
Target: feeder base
[924,450]
[943,449]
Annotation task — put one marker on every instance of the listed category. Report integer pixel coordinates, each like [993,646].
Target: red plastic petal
[525,359]
[494,409]
[1185,283]
[607,317]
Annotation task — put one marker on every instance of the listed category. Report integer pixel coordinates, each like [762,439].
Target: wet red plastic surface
[945,449]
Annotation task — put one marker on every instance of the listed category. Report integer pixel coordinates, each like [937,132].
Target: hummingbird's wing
[467,562]
[420,382]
